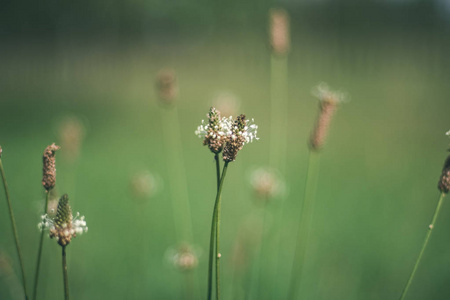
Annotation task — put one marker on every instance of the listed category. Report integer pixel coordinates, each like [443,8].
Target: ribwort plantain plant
[229,137]
[63,227]
[444,187]
[13,224]
[48,181]
[328,101]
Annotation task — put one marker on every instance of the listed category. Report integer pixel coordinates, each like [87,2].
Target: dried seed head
[166,83]
[444,180]
[63,227]
[49,169]
[279,31]
[328,101]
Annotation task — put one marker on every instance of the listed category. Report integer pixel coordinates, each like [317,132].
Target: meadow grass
[387,150]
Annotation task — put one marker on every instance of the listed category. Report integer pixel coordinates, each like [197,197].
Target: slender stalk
[213,231]
[214,237]
[41,242]
[13,223]
[427,237]
[305,223]
[216,157]
[218,198]
[66,280]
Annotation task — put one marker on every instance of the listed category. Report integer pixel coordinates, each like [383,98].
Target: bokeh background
[82,74]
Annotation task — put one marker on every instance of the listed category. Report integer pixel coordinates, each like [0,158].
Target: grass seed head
[279,31]
[49,169]
[328,101]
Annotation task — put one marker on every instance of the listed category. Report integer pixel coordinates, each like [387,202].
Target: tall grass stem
[14,228]
[427,238]
[41,242]
[177,173]
[304,229]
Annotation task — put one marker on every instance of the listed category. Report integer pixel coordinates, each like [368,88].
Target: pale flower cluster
[226,128]
[77,226]
[323,92]
[223,128]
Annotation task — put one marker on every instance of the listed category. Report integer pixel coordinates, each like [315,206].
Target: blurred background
[84,74]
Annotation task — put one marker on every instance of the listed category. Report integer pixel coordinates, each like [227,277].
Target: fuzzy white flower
[448,133]
[323,92]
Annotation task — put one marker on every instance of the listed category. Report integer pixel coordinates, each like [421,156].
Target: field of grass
[378,173]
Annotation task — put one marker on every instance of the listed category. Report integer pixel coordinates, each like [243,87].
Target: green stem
[214,237]
[427,237]
[218,198]
[213,231]
[216,157]
[305,223]
[13,223]
[66,279]
[41,242]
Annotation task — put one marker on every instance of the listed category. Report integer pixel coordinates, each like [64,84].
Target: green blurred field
[379,169]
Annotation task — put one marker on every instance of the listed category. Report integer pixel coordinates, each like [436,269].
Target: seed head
[279,31]
[328,101]
[166,83]
[49,169]
[214,133]
[63,227]
[444,180]
[242,131]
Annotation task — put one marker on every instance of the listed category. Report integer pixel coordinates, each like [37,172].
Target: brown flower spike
[328,101]
[49,169]
[444,181]
[236,140]
[279,31]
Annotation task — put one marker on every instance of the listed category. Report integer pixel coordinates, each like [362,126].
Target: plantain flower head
[63,227]
[242,132]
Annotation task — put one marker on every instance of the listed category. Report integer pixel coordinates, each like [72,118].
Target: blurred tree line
[134,18]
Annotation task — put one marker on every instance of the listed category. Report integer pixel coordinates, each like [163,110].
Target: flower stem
[305,223]
[218,198]
[427,237]
[66,280]
[13,223]
[41,242]
[213,231]
[214,235]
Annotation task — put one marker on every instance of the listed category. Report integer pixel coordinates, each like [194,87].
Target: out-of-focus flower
[145,184]
[266,183]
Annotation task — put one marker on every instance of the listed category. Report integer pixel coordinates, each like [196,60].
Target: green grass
[378,177]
